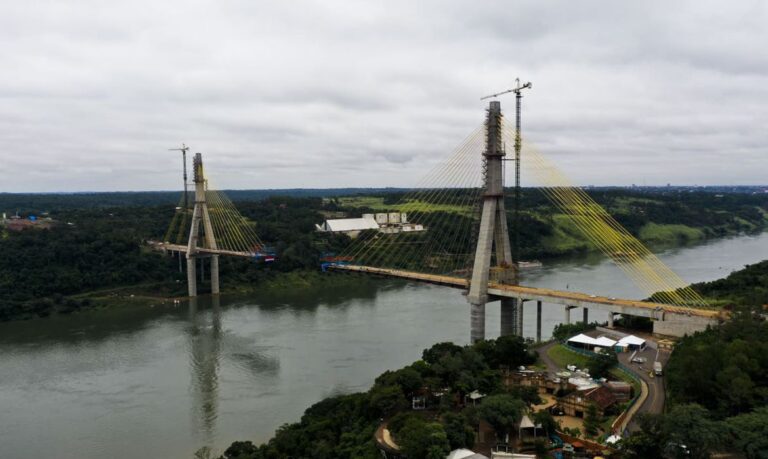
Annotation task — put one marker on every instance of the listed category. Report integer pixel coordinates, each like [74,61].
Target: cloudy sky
[328,94]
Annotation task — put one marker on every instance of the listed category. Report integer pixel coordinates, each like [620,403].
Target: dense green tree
[546,420]
[528,394]
[734,379]
[748,433]
[649,441]
[240,450]
[419,439]
[561,332]
[691,432]
[438,351]
[502,412]
[386,400]
[591,421]
[460,432]
[600,364]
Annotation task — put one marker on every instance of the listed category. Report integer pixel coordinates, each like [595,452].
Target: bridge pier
[585,312]
[568,314]
[538,321]
[520,316]
[191,276]
[476,322]
[509,316]
[215,274]
[610,319]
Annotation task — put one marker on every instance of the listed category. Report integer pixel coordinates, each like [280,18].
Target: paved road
[654,404]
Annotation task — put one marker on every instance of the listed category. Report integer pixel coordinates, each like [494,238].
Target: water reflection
[204,361]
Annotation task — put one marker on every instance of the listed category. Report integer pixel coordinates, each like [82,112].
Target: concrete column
[538,321]
[508,316]
[191,276]
[610,319]
[567,315]
[520,317]
[585,311]
[476,322]
[215,274]
[202,270]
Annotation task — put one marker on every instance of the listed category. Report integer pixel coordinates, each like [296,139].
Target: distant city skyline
[335,94]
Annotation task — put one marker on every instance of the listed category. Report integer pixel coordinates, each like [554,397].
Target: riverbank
[294,284]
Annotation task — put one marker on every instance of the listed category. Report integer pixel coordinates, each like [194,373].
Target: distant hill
[44,202]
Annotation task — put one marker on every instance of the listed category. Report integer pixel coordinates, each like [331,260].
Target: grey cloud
[325,94]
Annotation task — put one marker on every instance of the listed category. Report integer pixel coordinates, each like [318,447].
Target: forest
[717,389]
[96,243]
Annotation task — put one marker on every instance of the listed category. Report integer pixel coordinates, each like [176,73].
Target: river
[163,381]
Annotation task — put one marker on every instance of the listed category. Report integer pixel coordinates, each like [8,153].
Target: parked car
[639,359]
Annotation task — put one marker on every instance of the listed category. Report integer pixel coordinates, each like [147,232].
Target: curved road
[654,404]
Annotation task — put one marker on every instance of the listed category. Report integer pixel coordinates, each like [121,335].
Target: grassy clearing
[563,356]
[377,203]
[653,232]
[566,236]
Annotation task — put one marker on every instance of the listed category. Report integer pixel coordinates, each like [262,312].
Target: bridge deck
[202,250]
[534,293]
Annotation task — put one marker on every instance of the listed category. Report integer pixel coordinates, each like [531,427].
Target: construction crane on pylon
[518,89]
[184,148]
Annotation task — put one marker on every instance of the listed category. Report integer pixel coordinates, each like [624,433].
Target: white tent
[583,339]
[604,341]
[612,439]
[632,342]
[464,454]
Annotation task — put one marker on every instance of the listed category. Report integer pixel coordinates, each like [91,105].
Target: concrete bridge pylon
[493,238]
[201,214]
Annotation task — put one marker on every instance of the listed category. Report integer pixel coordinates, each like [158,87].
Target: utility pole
[183,151]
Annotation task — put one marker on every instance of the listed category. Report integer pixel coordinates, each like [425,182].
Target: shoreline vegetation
[720,407]
[93,256]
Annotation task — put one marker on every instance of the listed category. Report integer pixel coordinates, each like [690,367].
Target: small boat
[530,264]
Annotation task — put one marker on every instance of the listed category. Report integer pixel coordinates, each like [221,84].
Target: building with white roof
[393,222]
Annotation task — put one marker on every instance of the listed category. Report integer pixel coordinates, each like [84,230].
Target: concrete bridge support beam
[191,276]
[520,316]
[585,312]
[568,314]
[215,274]
[610,319]
[508,316]
[538,321]
[476,322]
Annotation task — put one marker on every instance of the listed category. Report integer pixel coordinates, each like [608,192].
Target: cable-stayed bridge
[212,228]
[466,243]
